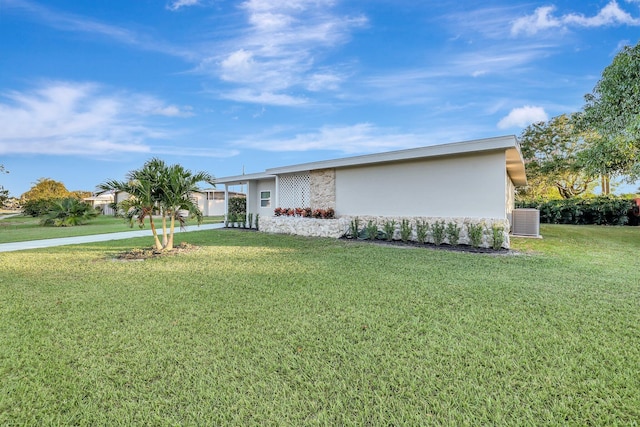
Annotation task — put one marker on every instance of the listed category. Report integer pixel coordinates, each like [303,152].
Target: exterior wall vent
[526,222]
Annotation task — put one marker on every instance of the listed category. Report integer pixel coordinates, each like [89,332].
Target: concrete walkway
[47,243]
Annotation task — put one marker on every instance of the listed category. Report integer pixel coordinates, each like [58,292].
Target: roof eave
[432,151]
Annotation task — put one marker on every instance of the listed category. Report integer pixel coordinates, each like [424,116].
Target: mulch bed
[140,254]
[442,247]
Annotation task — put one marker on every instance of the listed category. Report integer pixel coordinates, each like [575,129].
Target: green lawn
[24,228]
[255,329]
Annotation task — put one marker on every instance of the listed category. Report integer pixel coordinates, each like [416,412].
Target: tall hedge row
[602,210]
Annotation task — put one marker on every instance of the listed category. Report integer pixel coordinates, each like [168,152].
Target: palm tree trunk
[165,241]
[173,225]
[155,233]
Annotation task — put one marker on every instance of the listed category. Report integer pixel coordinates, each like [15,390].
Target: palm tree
[160,189]
[142,185]
[177,186]
[68,213]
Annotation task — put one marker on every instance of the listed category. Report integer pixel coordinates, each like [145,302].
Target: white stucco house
[212,202]
[102,201]
[464,181]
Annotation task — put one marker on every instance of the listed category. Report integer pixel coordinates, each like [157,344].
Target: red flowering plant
[305,212]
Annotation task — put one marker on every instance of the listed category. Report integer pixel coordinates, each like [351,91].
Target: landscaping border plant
[456,235]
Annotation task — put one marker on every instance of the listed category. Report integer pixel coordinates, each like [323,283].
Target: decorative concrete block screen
[294,191]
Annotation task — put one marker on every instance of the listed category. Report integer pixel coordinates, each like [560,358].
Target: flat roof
[509,144]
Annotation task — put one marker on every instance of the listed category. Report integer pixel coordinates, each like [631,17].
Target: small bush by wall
[603,210]
[237,205]
[475,232]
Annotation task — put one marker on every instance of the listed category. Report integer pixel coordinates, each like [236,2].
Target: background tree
[80,194]
[4,194]
[69,212]
[612,112]
[47,189]
[550,151]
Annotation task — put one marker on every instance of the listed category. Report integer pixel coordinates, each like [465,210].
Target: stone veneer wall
[323,189]
[339,227]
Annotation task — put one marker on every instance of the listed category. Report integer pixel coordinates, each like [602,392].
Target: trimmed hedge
[237,205]
[602,210]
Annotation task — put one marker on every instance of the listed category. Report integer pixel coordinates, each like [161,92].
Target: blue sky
[90,90]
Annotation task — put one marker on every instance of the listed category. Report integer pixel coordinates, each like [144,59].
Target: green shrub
[437,231]
[237,205]
[250,220]
[497,232]
[389,228]
[68,213]
[372,230]
[38,207]
[453,233]
[475,234]
[354,228]
[405,230]
[602,210]
[422,230]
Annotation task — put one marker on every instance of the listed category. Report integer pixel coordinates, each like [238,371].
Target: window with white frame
[265,199]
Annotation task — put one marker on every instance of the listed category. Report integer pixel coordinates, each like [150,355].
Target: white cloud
[359,138]
[540,20]
[177,4]
[279,50]
[544,19]
[82,24]
[324,81]
[611,14]
[263,98]
[522,117]
[62,118]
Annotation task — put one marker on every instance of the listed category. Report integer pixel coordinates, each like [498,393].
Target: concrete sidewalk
[47,243]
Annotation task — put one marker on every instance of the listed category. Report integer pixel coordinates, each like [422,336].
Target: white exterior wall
[461,186]
[209,207]
[264,185]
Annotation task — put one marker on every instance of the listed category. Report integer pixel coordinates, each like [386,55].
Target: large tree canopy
[612,111]
[550,151]
[46,188]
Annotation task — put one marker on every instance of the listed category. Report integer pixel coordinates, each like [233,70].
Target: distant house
[102,201]
[212,202]
[464,181]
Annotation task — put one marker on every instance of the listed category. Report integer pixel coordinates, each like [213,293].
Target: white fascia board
[451,149]
[243,179]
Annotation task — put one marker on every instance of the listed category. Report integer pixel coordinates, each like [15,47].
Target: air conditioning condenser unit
[525,222]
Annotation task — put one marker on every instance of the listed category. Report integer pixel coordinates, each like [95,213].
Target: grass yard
[24,228]
[255,329]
